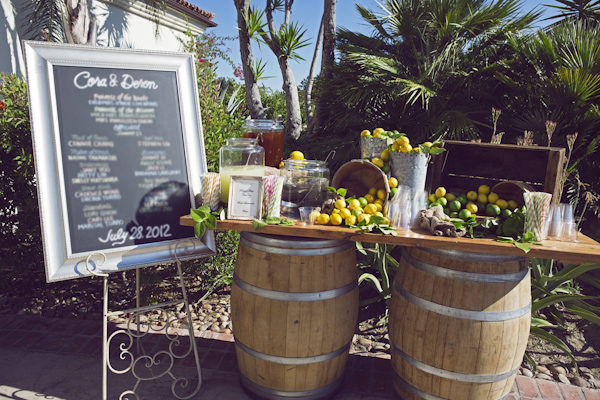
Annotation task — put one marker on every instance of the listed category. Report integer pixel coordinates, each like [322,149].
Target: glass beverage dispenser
[239,156]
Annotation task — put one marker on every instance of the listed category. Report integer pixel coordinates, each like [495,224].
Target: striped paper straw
[537,205]
[211,187]
[274,209]
[269,185]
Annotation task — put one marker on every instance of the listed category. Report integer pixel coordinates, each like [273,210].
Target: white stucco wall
[11,56]
[120,23]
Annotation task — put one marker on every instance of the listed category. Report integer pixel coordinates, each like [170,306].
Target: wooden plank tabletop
[583,251]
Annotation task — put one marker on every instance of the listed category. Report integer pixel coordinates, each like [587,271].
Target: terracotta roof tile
[195,10]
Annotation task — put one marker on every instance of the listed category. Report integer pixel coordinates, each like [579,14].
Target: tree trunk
[79,27]
[327,62]
[293,125]
[253,99]
[311,77]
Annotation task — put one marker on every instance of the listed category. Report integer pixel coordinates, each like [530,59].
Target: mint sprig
[204,219]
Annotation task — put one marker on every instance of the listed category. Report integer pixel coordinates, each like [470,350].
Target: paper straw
[537,205]
[274,209]
[269,185]
[211,187]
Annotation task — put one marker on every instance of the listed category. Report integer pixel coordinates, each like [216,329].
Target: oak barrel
[294,308]
[459,324]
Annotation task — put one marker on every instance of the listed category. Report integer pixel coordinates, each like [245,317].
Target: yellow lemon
[366,132]
[372,191]
[354,203]
[485,189]
[472,207]
[371,209]
[340,203]
[385,155]
[378,205]
[363,217]
[345,213]
[335,211]
[350,220]
[323,219]
[403,140]
[503,204]
[405,148]
[482,198]
[386,220]
[378,131]
[336,219]
[297,155]
[370,198]
[512,205]
[314,216]
[377,161]
[472,195]
[393,182]
[395,147]
[493,198]
[281,164]
[450,197]
[440,192]
[432,198]
[382,194]
[427,144]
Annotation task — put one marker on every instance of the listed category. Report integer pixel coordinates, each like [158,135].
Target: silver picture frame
[248,189]
[61,262]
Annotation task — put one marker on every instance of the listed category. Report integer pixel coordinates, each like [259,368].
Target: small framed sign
[245,197]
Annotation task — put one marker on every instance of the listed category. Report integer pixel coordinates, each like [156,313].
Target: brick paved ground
[368,376]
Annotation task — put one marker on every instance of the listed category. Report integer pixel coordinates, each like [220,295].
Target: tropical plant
[551,286]
[219,121]
[573,10]
[427,69]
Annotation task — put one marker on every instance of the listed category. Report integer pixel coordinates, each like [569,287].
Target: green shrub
[19,217]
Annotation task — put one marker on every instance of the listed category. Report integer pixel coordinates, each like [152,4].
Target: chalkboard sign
[119,155]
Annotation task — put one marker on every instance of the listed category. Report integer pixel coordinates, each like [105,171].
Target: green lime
[443,201]
[357,212]
[435,203]
[505,214]
[454,215]
[480,206]
[386,168]
[463,200]
[393,192]
[492,210]
[447,211]
[363,202]
[464,214]
[455,205]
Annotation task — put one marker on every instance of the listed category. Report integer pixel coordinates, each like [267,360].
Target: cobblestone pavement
[61,359]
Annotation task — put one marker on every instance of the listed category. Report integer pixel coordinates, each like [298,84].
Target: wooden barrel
[294,308]
[459,324]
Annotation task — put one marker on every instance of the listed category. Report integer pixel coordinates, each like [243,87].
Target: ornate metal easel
[139,361]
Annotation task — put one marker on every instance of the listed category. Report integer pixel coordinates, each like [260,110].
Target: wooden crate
[467,165]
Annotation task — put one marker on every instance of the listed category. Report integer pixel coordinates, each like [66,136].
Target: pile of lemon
[482,202]
[359,209]
[295,155]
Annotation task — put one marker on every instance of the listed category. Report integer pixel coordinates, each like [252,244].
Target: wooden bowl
[358,176]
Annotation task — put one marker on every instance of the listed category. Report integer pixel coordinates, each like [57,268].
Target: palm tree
[573,10]
[428,68]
